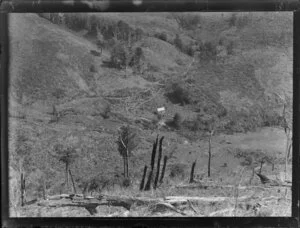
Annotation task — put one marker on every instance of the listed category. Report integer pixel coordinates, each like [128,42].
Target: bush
[106,112]
[208,51]
[137,59]
[178,95]
[232,20]
[75,22]
[178,42]
[58,93]
[120,56]
[270,118]
[93,69]
[177,170]
[187,21]
[162,36]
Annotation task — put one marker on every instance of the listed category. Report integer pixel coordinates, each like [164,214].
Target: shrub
[232,20]
[271,119]
[137,59]
[162,36]
[177,120]
[178,95]
[187,21]
[75,21]
[229,48]
[178,43]
[58,93]
[120,56]
[177,170]
[208,51]
[93,69]
[106,112]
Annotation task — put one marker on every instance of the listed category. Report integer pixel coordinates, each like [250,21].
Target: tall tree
[127,142]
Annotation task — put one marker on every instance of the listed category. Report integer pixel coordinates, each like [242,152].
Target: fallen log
[202,186]
[162,206]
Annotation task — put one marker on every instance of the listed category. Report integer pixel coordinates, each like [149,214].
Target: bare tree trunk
[251,178]
[261,164]
[209,154]
[143,179]
[158,162]
[22,189]
[67,176]
[124,165]
[148,184]
[44,189]
[286,155]
[127,172]
[192,172]
[73,183]
[163,169]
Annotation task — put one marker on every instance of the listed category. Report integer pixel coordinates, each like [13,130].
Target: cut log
[161,206]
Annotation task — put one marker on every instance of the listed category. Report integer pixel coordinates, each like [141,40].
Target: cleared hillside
[236,67]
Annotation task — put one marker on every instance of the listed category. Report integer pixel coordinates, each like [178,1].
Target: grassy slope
[233,83]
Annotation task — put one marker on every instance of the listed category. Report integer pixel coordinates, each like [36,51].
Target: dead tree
[148,184]
[158,162]
[55,114]
[214,123]
[143,179]
[73,183]
[287,131]
[261,165]
[209,152]
[163,170]
[44,189]
[192,172]
[22,189]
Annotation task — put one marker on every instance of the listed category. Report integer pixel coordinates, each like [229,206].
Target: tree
[67,155]
[127,142]
[212,124]
[186,21]
[120,56]
[286,124]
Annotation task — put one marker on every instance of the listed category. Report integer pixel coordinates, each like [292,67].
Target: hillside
[235,67]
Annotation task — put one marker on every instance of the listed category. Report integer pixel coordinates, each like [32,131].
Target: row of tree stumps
[159,176]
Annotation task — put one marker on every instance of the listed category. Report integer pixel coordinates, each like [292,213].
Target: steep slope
[45,58]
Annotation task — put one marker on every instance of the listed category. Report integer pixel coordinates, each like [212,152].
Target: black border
[147,5]
[151,6]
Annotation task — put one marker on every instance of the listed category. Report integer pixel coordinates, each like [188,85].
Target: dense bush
[175,122]
[120,56]
[178,95]
[138,60]
[162,36]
